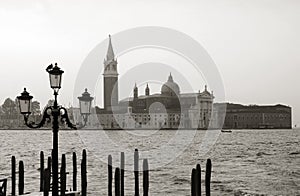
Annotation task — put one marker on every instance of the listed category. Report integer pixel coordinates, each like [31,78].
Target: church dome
[170,88]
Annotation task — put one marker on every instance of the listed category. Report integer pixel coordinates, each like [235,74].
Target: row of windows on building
[145,120]
[115,124]
[148,115]
[251,117]
[109,116]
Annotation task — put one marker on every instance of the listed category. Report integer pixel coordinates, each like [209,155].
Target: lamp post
[85,102]
[56,111]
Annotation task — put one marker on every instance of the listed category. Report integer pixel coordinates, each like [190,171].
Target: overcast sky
[254,43]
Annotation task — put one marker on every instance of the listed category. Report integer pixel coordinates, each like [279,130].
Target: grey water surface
[245,162]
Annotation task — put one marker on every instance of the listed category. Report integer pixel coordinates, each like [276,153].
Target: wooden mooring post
[83,174]
[21,178]
[136,172]
[46,181]
[74,158]
[49,165]
[41,171]
[208,177]
[63,176]
[13,175]
[122,172]
[117,182]
[198,179]
[193,183]
[109,175]
[145,177]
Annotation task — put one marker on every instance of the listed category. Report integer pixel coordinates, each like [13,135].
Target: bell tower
[147,90]
[135,92]
[110,78]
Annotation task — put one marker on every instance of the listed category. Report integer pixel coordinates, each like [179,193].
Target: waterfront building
[257,117]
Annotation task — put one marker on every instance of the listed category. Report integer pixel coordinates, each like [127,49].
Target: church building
[169,109]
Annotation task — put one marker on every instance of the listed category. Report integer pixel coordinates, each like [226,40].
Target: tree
[9,107]
[1,111]
[36,109]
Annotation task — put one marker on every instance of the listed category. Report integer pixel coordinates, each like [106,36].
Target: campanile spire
[110,76]
[110,55]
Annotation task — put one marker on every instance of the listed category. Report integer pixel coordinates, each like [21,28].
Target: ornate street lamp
[25,102]
[55,75]
[85,102]
[56,111]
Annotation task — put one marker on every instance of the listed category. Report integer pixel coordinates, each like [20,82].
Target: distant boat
[226,131]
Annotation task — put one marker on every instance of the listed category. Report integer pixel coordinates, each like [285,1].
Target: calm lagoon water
[245,162]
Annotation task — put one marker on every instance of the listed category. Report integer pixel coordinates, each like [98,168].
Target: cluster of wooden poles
[45,176]
[13,177]
[196,179]
[119,176]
